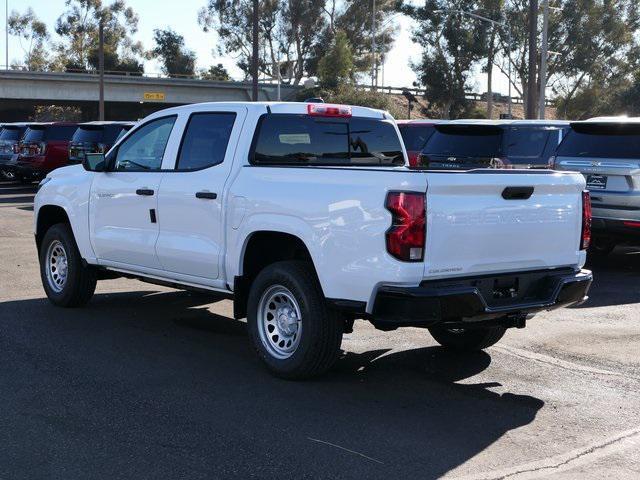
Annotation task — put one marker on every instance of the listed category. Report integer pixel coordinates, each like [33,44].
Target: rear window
[88,135]
[285,139]
[465,141]
[526,142]
[604,141]
[11,133]
[415,136]
[47,133]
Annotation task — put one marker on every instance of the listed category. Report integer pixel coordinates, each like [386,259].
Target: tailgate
[473,230]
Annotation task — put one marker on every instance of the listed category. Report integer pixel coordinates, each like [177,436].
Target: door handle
[207,195]
[144,191]
[517,193]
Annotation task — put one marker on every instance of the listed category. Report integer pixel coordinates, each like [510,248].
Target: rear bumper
[34,168]
[616,228]
[480,298]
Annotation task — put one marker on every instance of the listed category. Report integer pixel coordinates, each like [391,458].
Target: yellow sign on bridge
[154,96]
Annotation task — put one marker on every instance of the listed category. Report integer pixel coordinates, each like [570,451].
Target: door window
[144,149]
[205,140]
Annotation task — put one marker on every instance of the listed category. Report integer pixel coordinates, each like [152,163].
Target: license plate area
[596,182]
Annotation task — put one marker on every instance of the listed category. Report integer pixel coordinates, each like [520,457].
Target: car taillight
[101,148]
[552,162]
[16,147]
[328,110]
[406,237]
[586,221]
[41,147]
[413,158]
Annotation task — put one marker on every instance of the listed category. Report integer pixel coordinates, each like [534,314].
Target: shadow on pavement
[616,278]
[154,385]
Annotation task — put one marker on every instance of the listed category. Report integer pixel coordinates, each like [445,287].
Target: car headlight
[43,182]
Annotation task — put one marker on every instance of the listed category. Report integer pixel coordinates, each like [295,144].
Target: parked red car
[415,134]
[43,148]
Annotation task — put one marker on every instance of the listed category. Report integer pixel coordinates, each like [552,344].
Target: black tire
[321,327]
[467,340]
[80,283]
[601,247]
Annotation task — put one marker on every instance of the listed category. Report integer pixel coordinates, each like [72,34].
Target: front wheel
[66,280]
[292,330]
[467,340]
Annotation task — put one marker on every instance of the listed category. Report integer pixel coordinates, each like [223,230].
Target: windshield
[603,141]
[88,135]
[44,133]
[34,134]
[302,139]
[526,142]
[415,136]
[11,134]
[465,141]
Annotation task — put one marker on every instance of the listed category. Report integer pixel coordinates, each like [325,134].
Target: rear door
[464,147]
[607,154]
[191,198]
[485,222]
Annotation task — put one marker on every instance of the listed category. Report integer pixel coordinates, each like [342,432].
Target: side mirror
[94,162]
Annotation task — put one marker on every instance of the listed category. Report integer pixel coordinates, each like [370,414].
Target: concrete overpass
[126,96]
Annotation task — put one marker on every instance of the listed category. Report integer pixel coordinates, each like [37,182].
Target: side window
[144,149]
[205,140]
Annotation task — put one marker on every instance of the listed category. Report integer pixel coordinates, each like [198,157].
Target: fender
[71,193]
[269,222]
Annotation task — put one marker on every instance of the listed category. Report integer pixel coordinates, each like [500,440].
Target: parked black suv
[469,144]
[10,135]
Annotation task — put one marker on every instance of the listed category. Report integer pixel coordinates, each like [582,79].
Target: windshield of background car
[11,134]
[88,134]
[465,141]
[526,142]
[415,136]
[601,141]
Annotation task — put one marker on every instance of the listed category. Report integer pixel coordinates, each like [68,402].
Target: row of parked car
[28,151]
[606,150]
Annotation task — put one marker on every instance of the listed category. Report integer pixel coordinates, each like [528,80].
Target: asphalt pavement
[152,383]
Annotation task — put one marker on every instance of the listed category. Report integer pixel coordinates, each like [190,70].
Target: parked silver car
[606,151]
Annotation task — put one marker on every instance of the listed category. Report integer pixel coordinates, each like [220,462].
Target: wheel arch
[260,249]
[47,216]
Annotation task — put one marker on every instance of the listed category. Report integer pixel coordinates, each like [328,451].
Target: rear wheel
[467,340]
[292,330]
[601,247]
[66,280]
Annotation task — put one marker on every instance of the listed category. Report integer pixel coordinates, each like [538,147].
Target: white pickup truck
[308,217]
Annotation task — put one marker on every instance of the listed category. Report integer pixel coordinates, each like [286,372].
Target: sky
[181,16]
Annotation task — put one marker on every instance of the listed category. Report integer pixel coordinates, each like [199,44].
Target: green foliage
[216,72]
[451,46]
[79,25]
[176,59]
[32,34]
[336,67]
[348,94]
[56,113]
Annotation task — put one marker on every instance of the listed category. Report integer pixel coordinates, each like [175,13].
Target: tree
[354,18]
[336,67]
[32,35]
[591,40]
[288,31]
[451,46]
[79,25]
[216,72]
[176,59]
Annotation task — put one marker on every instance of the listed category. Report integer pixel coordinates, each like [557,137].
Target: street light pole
[533,57]
[543,60]
[101,69]
[374,66]
[256,52]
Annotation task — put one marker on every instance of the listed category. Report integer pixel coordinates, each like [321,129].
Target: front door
[191,196]
[124,200]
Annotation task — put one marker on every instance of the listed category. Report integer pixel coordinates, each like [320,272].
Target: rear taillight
[552,162]
[101,148]
[16,147]
[41,147]
[327,110]
[406,237]
[413,158]
[586,221]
